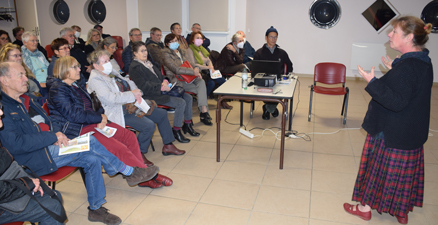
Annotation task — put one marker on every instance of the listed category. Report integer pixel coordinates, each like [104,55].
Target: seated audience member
[100,29]
[198,54]
[134,35]
[71,108]
[271,51]
[175,28]
[116,93]
[109,44]
[149,79]
[35,60]
[230,60]
[249,50]
[38,146]
[4,38]
[18,33]
[10,192]
[12,53]
[154,46]
[60,48]
[75,51]
[78,40]
[196,27]
[173,58]
[94,38]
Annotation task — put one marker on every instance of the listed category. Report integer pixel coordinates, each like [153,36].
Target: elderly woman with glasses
[109,44]
[12,53]
[94,38]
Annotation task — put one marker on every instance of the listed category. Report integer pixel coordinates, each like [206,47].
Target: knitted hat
[271,29]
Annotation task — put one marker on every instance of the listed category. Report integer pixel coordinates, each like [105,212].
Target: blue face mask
[174,45]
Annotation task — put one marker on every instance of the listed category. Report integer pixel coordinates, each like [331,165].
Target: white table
[232,89]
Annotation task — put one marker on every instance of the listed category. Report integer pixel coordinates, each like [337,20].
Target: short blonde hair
[62,66]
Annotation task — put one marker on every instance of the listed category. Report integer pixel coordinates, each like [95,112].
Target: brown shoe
[102,215]
[141,175]
[166,181]
[151,183]
[146,161]
[225,105]
[172,150]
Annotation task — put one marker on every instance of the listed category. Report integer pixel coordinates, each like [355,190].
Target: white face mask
[107,68]
[77,34]
[240,44]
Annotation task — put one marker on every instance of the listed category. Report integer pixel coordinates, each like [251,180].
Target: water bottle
[244,79]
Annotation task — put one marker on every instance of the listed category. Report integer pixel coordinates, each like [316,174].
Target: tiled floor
[247,187]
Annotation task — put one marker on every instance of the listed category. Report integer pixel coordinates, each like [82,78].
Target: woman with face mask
[198,54]
[71,110]
[231,58]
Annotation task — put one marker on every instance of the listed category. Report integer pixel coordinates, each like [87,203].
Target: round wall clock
[430,15]
[325,13]
[97,11]
[61,12]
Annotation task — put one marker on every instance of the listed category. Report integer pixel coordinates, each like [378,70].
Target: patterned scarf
[196,51]
[27,57]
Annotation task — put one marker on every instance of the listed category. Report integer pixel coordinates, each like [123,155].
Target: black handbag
[95,102]
[176,91]
[15,171]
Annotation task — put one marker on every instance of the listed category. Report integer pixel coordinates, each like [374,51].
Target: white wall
[307,45]
[6,25]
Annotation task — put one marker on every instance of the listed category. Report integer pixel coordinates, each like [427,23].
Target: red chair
[13,223]
[118,57]
[49,51]
[331,74]
[62,172]
[119,41]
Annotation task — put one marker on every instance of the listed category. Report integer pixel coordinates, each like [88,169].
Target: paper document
[216,74]
[143,106]
[107,131]
[79,144]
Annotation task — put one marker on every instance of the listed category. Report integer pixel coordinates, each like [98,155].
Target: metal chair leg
[310,104]
[152,145]
[346,105]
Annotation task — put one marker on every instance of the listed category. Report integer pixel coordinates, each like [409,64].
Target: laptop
[267,67]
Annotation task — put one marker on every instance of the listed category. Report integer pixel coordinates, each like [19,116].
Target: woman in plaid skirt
[391,173]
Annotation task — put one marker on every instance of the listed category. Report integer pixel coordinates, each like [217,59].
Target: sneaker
[172,110]
[141,175]
[102,215]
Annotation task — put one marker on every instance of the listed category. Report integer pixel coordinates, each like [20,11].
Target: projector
[265,80]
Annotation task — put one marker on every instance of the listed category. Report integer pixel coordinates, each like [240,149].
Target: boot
[204,119]
[179,136]
[266,115]
[141,175]
[172,150]
[276,113]
[102,215]
[146,161]
[188,128]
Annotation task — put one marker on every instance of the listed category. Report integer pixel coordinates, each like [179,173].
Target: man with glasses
[75,51]
[154,46]
[271,51]
[134,35]
[196,27]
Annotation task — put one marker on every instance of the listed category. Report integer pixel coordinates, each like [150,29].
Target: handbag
[132,109]
[16,171]
[186,78]
[95,102]
[176,91]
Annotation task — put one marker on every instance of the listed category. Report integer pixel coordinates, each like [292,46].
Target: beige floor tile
[117,182]
[295,159]
[338,143]
[78,219]
[198,166]
[329,207]
[161,211]
[430,193]
[431,213]
[333,182]
[231,194]
[73,194]
[205,214]
[429,157]
[208,150]
[296,144]
[415,217]
[283,201]
[267,140]
[227,137]
[322,222]
[259,218]
[288,178]
[334,163]
[184,187]
[431,171]
[242,172]
[250,154]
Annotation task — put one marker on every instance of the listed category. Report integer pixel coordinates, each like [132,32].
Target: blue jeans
[92,162]
[146,127]
[212,83]
[34,213]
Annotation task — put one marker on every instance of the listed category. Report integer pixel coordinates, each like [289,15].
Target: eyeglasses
[75,67]
[64,48]
[137,35]
[16,55]
[113,48]
[272,37]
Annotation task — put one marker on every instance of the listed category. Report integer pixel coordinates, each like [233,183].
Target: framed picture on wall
[379,14]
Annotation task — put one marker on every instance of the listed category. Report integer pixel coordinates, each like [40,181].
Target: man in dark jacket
[127,56]
[154,46]
[75,51]
[271,51]
[10,192]
[249,50]
[35,141]
[196,27]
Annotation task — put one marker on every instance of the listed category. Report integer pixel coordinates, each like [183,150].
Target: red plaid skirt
[390,180]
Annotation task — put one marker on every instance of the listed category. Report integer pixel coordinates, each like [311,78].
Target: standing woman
[391,173]
[93,40]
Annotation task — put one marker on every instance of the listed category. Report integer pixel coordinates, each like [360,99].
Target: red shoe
[363,215]
[402,220]
[150,183]
[163,180]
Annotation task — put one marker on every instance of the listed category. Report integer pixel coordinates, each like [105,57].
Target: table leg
[241,113]
[290,113]
[283,133]
[218,129]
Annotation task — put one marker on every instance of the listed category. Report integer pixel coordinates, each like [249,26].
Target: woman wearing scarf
[200,56]
[93,40]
